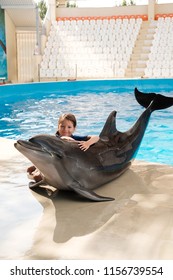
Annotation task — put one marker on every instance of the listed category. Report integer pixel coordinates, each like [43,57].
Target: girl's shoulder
[75,137]
[79,138]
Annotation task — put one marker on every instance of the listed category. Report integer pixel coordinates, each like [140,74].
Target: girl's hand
[83,145]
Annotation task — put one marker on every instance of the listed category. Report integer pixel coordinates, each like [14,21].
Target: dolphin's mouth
[28,145]
[32,145]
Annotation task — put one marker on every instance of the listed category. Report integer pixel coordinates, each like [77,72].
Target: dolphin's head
[46,152]
[40,146]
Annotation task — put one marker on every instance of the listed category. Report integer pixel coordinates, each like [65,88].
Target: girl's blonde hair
[69,117]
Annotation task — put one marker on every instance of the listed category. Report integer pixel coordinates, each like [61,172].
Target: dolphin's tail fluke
[144,99]
[159,101]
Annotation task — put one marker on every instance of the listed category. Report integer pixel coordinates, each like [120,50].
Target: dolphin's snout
[27,145]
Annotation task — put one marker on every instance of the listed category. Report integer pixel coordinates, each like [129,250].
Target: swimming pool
[29,109]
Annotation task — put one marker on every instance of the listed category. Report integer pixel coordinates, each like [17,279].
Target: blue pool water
[34,108]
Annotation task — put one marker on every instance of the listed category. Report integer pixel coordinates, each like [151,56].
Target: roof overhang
[5,4]
[21,12]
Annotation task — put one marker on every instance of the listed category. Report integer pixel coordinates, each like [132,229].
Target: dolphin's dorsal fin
[110,127]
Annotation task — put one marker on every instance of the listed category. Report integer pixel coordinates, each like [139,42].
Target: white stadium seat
[102,46]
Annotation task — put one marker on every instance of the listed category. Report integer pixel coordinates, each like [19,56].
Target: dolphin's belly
[56,182]
[54,178]
[95,178]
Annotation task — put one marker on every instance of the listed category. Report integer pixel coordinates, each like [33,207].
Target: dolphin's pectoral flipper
[88,193]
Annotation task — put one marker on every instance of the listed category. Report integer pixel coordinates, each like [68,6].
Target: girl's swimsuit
[75,137]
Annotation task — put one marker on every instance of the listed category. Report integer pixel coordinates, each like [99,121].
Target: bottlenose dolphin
[65,166]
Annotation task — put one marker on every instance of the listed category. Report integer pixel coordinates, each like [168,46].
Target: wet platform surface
[138,224]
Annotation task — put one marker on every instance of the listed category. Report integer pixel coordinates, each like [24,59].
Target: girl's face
[66,128]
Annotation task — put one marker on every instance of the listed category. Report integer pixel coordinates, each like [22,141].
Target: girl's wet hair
[69,117]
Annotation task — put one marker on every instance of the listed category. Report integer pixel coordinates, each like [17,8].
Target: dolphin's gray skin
[65,166]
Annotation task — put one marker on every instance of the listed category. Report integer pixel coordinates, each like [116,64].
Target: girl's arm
[84,145]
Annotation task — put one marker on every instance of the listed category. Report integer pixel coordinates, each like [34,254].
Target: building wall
[11,49]
[127,10]
[164,9]
[20,52]
[26,42]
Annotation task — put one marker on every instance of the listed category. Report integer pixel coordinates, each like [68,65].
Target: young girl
[66,126]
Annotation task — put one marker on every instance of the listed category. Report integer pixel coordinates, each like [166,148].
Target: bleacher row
[101,47]
[160,61]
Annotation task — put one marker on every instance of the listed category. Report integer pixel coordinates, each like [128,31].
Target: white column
[52,9]
[151,9]
[37,60]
